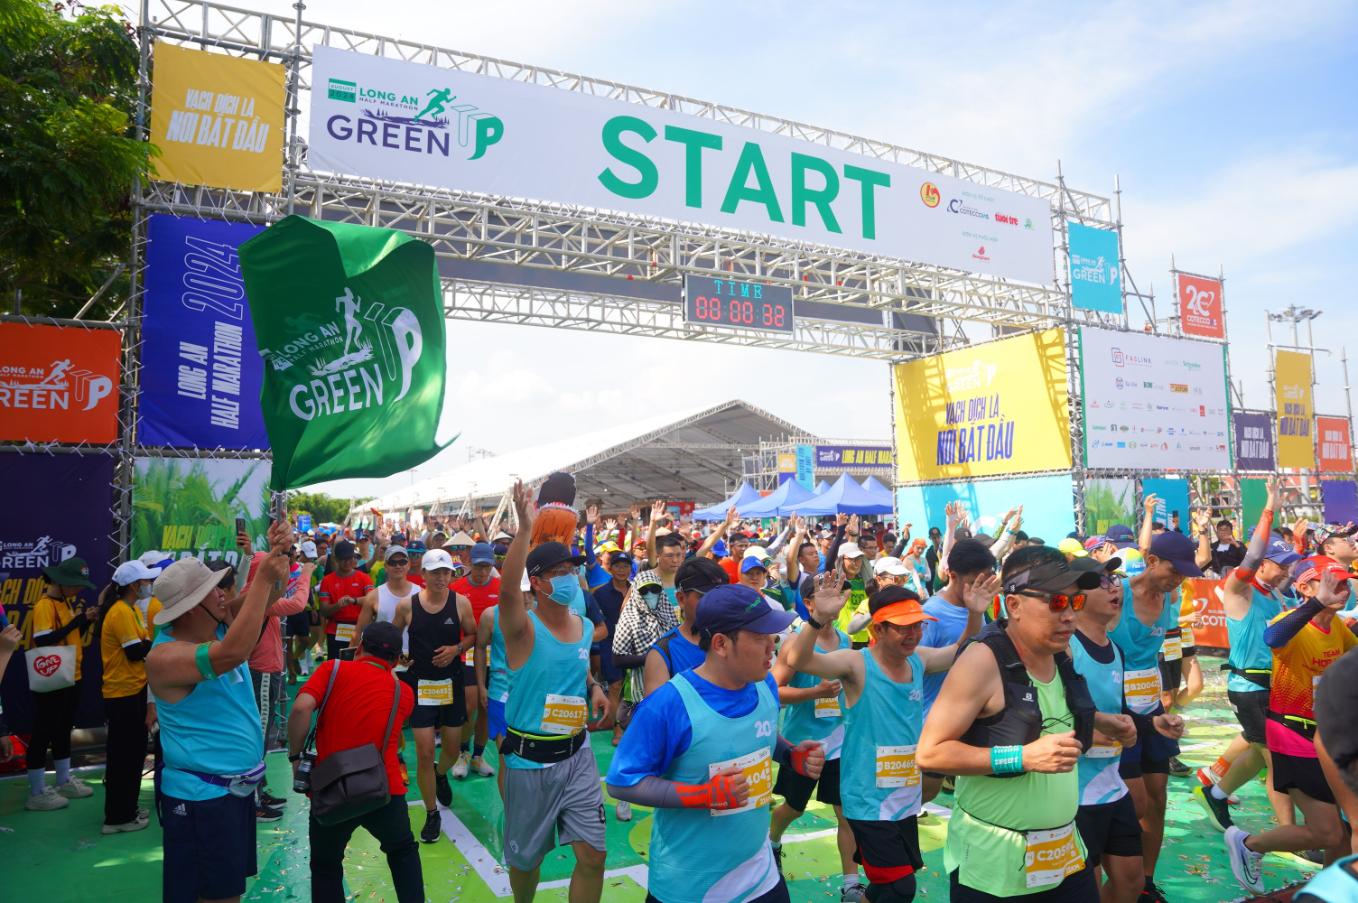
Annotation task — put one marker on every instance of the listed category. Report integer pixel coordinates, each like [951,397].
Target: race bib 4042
[758,770]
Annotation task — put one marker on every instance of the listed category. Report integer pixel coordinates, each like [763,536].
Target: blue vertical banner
[1095,274]
[200,367]
[1172,511]
[806,466]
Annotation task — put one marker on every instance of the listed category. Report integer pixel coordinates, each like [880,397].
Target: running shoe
[136,824]
[949,784]
[264,812]
[623,810]
[1244,861]
[75,789]
[432,827]
[854,893]
[46,801]
[1218,811]
[460,766]
[271,800]
[1177,768]
[1151,894]
[482,767]
[1210,778]
[442,789]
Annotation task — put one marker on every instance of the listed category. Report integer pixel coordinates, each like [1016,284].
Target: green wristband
[202,658]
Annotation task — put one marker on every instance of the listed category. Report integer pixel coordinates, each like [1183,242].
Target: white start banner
[1153,402]
[413,123]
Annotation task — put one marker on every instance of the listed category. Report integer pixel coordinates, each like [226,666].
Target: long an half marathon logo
[338,369]
[51,388]
[418,123]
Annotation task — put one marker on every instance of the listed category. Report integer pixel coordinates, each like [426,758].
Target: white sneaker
[482,767]
[75,789]
[136,824]
[46,801]
[623,810]
[1244,861]
[459,770]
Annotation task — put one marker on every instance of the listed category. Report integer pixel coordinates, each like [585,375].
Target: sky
[1232,128]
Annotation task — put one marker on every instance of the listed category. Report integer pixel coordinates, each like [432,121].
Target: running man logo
[33,556]
[52,388]
[58,383]
[416,122]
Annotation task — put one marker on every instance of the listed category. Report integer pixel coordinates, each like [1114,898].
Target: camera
[301,781]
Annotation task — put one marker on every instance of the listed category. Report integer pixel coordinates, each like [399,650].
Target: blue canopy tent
[776,503]
[745,495]
[844,497]
[821,487]
[879,490]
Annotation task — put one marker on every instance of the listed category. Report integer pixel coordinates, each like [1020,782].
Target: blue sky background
[1233,127]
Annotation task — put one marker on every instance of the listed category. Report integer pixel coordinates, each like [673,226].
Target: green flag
[350,328]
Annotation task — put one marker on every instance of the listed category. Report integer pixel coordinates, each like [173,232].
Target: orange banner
[59,383]
[1202,598]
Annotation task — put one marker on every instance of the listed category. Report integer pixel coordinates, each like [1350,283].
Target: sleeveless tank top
[549,697]
[386,610]
[880,780]
[1100,781]
[428,632]
[817,719]
[1246,636]
[1140,646]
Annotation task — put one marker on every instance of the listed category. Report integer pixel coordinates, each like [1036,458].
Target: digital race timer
[735,302]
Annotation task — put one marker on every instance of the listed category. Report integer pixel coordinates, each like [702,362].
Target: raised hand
[592,515]
[657,510]
[978,595]
[1275,486]
[731,516]
[523,504]
[830,595]
[1149,503]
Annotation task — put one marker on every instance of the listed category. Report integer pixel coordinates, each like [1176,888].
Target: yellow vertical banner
[997,408]
[1296,410]
[217,119]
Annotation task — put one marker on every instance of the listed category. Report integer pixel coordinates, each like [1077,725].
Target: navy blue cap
[549,555]
[1118,533]
[1281,552]
[483,553]
[1179,551]
[729,608]
[619,556]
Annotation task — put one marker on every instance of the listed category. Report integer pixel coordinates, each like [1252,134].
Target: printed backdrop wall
[189,506]
[59,383]
[1047,510]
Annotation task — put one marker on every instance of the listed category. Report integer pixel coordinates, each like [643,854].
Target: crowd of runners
[1036,689]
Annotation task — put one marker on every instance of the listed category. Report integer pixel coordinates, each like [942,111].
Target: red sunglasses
[1057,601]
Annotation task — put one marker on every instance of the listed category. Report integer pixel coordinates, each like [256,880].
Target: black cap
[699,575]
[1094,566]
[382,639]
[1046,570]
[1335,702]
[549,555]
[619,556]
[345,549]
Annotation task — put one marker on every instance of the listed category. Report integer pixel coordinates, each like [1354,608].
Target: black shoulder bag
[352,782]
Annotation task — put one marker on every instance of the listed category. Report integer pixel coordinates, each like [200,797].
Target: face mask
[652,600]
[566,591]
[144,592]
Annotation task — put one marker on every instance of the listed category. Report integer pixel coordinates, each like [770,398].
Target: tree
[69,155]
[322,508]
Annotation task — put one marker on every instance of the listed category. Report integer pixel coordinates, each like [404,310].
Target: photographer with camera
[356,710]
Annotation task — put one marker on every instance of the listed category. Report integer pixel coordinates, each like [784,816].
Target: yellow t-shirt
[123,627]
[152,609]
[52,614]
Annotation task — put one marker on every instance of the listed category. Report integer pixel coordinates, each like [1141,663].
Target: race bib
[758,770]
[828,707]
[435,692]
[1188,638]
[1173,650]
[1142,689]
[563,714]
[896,767]
[1104,748]
[344,633]
[1051,855]
[469,657]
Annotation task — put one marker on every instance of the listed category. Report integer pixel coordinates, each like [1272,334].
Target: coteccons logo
[416,123]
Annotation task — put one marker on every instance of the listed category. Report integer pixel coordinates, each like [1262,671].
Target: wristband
[811,619]
[1006,759]
[202,657]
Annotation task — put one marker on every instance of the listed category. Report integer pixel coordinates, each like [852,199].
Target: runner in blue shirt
[880,783]
[701,749]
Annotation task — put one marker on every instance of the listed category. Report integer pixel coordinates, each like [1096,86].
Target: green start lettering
[749,182]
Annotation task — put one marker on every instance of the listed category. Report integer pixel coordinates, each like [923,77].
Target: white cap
[153,558]
[308,549]
[435,559]
[890,565]
[130,572]
[850,550]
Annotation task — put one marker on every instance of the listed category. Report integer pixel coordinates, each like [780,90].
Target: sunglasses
[1056,601]
[397,562]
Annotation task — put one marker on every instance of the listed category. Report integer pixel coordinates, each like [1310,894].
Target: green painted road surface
[55,857]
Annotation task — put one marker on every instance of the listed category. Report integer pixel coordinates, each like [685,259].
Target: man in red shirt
[340,598]
[358,713]
[482,588]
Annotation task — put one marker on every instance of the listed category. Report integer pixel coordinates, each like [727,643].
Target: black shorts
[298,624]
[1251,710]
[453,714]
[1109,829]
[1304,774]
[1077,888]
[1171,675]
[796,789]
[209,847]
[1149,755]
[887,850]
[778,895]
[1190,652]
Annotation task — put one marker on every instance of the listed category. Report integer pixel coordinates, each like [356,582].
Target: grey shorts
[547,807]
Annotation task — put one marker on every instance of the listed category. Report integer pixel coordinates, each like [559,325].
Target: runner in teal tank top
[551,788]
[813,709]
[1011,738]
[701,750]
[880,781]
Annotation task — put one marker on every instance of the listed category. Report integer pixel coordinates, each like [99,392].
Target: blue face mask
[566,591]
